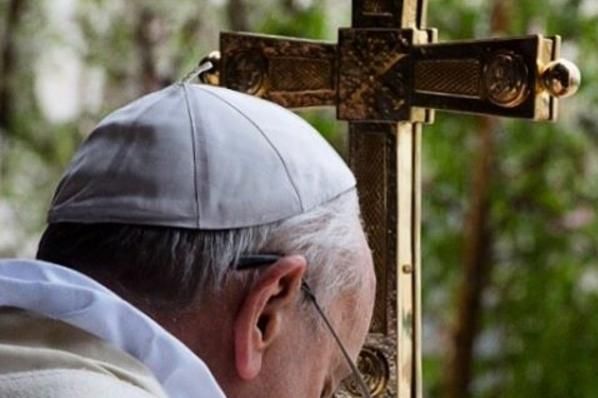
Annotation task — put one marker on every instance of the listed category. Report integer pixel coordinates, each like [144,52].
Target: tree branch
[8,60]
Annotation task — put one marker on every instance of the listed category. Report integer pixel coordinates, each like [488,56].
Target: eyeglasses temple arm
[250,261]
[362,386]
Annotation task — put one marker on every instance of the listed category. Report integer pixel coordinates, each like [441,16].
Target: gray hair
[326,236]
[171,268]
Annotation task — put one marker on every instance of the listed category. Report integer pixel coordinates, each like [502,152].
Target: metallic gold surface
[386,77]
[389,13]
[373,159]
[374,73]
[459,78]
[373,364]
[547,104]
[417,260]
[561,78]
[406,293]
[506,79]
[491,77]
[211,76]
[378,364]
[293,73]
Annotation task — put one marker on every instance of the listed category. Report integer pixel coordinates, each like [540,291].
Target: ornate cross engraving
[386,76]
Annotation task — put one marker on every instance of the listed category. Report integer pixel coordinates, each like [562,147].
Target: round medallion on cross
[246,71]
[375,370]
[506,79]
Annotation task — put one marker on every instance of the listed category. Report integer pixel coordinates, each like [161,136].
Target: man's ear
[262,312]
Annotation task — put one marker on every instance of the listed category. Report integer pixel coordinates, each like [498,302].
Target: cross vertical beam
[391,207]
[385,158]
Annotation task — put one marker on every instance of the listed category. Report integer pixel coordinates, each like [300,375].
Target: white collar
[61,293]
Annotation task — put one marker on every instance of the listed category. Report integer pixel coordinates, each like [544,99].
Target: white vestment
[59,293]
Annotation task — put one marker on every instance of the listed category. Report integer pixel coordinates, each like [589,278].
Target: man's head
[161,212]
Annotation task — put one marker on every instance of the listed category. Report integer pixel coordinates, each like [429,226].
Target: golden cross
[386,76]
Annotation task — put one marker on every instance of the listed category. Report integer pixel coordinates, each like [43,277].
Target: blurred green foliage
[538,332]
[537,337]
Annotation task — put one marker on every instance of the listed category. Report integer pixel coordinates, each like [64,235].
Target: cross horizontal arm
[499,77]
[387,75]
[293,73]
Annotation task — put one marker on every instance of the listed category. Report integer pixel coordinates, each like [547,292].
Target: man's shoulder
[39,353]
[67,383]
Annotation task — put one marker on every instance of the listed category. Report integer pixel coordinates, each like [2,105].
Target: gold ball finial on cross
[561,78]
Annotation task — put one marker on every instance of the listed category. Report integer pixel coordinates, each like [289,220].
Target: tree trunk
[477,247]
[146,43]
[477,265]
[8,62]
[237,15]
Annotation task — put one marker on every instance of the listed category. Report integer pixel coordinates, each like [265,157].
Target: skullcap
[200,157]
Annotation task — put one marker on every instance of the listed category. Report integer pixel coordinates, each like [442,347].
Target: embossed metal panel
[492,77]
[386,75]
[460,78]
[373,159]
[374,74]
[293,73]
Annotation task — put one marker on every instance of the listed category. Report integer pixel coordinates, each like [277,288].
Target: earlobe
[262,312]
[248,360]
